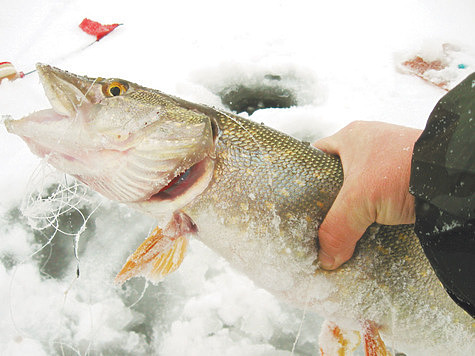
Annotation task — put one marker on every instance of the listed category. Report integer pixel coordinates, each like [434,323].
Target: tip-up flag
[8,71]
[97,29]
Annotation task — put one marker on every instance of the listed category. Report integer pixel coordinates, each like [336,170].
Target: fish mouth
[66,95]
[54,133]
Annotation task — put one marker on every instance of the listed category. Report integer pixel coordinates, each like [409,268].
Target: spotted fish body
[270,192]
[256,196]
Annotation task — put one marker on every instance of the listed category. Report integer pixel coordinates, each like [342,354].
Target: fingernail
[326,261]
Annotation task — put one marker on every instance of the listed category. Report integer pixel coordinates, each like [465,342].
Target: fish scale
[283,172]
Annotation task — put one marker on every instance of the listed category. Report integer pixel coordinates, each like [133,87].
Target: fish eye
[115,89]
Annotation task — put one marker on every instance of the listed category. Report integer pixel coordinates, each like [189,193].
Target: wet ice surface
[336,63]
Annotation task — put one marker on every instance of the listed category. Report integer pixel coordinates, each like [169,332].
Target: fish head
[127,142]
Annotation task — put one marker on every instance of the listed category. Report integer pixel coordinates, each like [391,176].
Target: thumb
[328,144]
[343,226]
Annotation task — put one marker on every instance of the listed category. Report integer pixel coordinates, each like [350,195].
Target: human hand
[376,159]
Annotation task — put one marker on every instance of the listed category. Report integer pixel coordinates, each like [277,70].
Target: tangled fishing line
[50,196]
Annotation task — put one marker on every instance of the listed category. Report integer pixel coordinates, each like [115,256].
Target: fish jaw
[132,145]
[59,139]
[65,91]
[57,131]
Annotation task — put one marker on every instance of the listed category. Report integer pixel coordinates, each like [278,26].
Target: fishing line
[76,108]
[304,314]
[91,316]
[145,287]
[78,235]
[68,198]
[63,57]
[61,344]
[39,169]
[44,212]
[45,263]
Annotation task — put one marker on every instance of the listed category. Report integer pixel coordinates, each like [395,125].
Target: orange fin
[373,345]
[161,253]
[335,342]
[170,261]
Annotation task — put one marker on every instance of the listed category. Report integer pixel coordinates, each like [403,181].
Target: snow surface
[341,59]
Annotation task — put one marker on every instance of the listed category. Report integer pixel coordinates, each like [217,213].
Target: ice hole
[268,94]
[246,87]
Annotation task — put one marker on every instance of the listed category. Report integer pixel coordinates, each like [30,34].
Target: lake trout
[254,195]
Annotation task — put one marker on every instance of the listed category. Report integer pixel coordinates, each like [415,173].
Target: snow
[340,59]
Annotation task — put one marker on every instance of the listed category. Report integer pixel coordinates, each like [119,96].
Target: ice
[338,59]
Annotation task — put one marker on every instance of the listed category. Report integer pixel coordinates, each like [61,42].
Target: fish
[255,196]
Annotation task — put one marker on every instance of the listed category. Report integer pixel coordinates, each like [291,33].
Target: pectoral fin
[170,261]
[334,341]
[373,345]
[161,253]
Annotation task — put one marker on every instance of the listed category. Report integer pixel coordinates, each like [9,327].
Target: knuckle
[355,124]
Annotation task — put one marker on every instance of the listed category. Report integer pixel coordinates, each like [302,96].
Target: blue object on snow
[461,66]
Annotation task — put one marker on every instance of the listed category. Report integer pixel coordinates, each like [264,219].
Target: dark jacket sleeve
[443,183]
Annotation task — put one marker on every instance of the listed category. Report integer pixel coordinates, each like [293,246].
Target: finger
[341,229]
[328,145]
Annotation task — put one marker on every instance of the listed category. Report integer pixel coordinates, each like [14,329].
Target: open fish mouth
[121,142]
[54,133]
